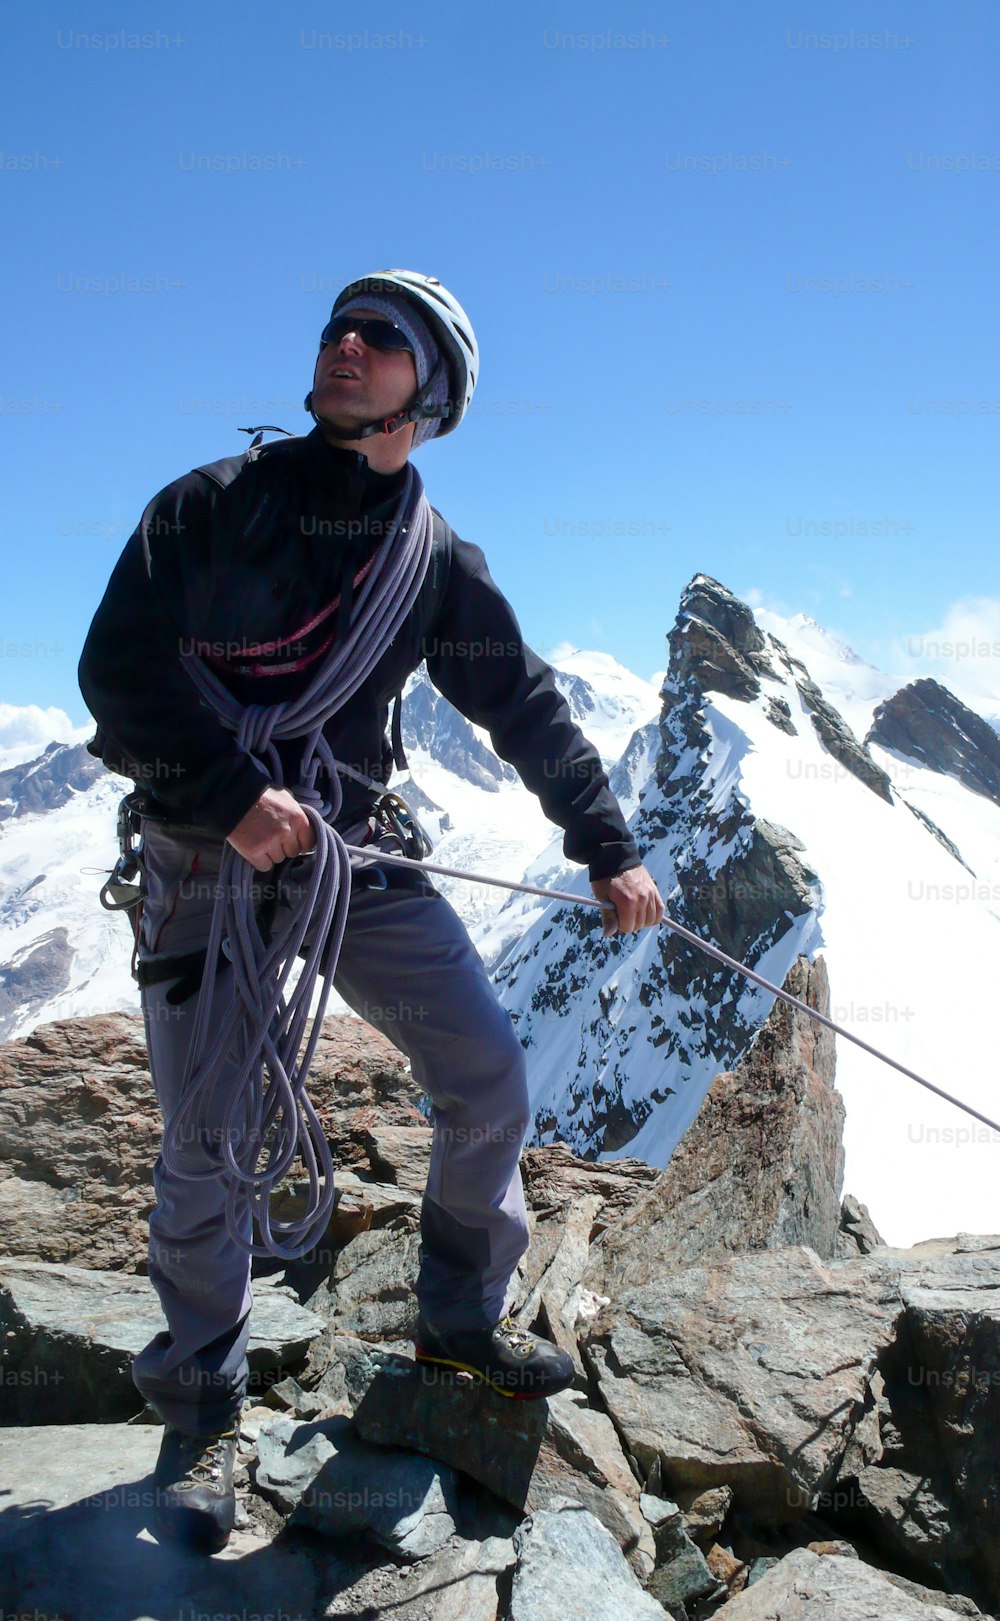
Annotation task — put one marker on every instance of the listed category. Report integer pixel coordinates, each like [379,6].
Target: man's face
[354,384]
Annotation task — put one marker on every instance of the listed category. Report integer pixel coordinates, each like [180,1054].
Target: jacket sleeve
[156,727]
[477,657]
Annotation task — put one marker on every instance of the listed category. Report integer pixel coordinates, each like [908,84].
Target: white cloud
[561,650]
[755,598]
[26,730]
[962,652]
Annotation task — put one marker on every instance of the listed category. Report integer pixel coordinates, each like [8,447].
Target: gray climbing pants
[408,967]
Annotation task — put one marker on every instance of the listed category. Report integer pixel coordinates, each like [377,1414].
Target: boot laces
[511,1334]
[207,1466]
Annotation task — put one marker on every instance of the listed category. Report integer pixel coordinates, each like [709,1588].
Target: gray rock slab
[750,1373]
[288,1395]
[350,1366]
[946,1601]
[934,1489]
[449,1415]
[70,1334]
[806,1586]
[557,1291]
[545,1233]
[324,1477]
[911,1510]
[372,1290]
[857,1229]
[509,1447]
[462,1579]
[76,1540]
[568,1564]
[587,1440]
[683,1577]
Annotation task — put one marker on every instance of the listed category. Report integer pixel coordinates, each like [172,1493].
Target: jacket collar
[335,460]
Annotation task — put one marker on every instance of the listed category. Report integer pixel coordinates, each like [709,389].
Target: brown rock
[760,1168]
[705,1513]
[725,1567]
[399,1155]
[455,1418]
[555,1178]
[80,1128]
[79,1131]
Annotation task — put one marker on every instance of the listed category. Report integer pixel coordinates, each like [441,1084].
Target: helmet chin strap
[413,412]
[387,425]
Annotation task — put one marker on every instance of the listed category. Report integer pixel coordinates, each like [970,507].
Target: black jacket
[249,563]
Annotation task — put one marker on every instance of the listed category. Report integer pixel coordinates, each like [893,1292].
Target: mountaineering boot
[513,1361]
[195,1499]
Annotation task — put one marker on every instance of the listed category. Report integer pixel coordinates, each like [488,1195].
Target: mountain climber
[252,566]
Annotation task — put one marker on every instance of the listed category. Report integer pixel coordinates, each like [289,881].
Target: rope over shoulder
[263,1031]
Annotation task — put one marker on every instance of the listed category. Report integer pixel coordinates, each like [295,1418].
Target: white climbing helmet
[447,320]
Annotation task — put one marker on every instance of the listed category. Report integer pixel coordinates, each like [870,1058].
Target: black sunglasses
[377,334]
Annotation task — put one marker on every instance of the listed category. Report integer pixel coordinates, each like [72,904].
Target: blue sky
[732,269]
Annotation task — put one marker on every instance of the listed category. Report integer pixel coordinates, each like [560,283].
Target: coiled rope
[263,1031]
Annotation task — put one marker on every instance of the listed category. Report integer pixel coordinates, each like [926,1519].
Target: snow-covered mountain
[61,953]
[773,828]
[787,799]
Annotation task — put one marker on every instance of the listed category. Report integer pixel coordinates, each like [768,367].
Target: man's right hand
[272,830]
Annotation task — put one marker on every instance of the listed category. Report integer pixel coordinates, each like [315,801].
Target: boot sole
[484,1378]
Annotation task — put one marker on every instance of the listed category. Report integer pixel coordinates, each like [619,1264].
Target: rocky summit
[775,1413]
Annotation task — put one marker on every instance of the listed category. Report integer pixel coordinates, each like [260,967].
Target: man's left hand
[636,901]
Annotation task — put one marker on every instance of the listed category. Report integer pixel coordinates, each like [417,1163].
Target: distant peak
[926,722]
